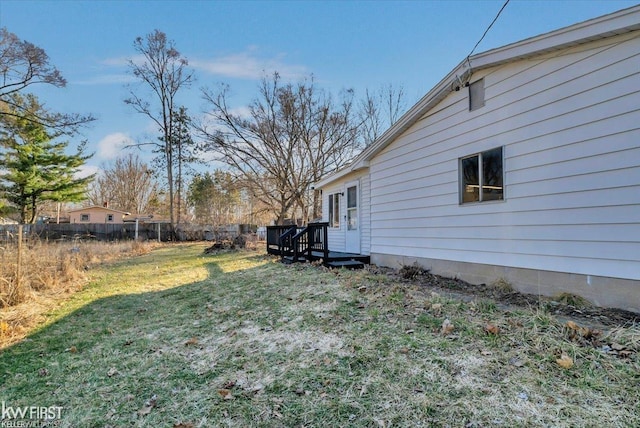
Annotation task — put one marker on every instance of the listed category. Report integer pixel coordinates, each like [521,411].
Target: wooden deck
[309,244]
[334,259]
[337,256]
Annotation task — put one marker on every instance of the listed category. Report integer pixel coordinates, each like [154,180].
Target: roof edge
[612,24]
[101,207]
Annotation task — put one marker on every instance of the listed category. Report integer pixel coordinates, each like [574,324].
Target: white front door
[352,238]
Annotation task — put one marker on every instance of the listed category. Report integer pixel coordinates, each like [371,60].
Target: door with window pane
[352,240]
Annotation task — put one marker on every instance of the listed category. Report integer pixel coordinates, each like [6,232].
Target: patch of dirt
[506,297]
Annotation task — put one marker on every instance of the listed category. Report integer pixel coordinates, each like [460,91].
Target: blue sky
[344,44]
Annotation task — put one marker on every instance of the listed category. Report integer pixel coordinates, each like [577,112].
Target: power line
[488,28]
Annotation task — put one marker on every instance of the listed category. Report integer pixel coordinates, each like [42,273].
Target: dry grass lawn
[175,338]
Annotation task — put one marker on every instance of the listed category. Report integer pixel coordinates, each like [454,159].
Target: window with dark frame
[334,210]
[482,177]
[84,217]
[476,95]
[109,217]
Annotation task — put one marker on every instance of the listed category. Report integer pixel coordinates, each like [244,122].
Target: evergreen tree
[214,197]
[35,168]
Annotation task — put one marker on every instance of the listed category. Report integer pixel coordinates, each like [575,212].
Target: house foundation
[601,291]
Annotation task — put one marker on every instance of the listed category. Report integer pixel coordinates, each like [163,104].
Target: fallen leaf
[588,333]
[73,349]
[112,372]
[492,329]
[436,307]
[183,425]
[565,361]
[572,325]
[409,332]
[447,327]
[192,341]
[226,394]
[404,350]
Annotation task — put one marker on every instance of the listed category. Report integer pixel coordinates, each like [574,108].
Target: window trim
[334,210]
[85,218]
[110,218]
[461,186]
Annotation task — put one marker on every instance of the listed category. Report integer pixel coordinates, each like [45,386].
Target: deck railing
[279,239]
[310,242]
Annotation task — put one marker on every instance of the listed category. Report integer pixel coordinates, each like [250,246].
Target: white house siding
[337,235]
[569,123]
[365,215]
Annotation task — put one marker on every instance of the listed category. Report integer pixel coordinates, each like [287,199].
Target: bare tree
[293,136]
[23,64]
[127,185]
[379,110]
[164,72]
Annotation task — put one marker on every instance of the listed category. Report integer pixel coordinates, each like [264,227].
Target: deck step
[347,264]
[289,260]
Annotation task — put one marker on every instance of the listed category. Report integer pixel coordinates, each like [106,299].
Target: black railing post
[325,241]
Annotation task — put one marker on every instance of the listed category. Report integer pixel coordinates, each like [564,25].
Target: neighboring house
[96,215]
[522,164]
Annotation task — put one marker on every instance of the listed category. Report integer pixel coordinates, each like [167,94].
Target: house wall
[337,235]
[96,215]
[569,123]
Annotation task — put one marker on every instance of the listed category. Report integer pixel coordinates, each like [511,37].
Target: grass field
[175,338]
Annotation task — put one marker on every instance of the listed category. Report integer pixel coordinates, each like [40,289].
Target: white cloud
[107,79]
[247,65]
[87,170]
[243,65]
[243,112]
[111,146]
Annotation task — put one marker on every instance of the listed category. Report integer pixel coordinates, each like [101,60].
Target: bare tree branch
[294,135]
[22,64]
